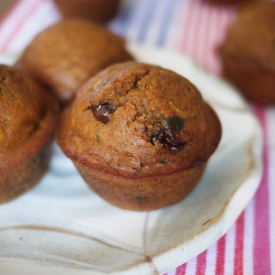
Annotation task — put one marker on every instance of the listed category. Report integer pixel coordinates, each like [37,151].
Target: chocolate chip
[175,123]
[102,110]
[168,139]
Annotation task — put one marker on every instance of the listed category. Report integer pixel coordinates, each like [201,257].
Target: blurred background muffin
[248,52]
[64,55]
[96,10]
[139,135]
[28,119]
[228,2]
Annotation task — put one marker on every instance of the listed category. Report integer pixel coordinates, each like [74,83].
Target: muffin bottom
[23,177]
[142,194]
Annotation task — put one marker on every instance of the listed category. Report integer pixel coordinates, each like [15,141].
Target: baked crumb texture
[140,135]
[66,54]
[28,118]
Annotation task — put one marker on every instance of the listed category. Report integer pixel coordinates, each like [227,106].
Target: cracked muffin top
[28,116]
[135,118]
[66,54]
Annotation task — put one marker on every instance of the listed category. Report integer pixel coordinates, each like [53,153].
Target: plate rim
[249,186]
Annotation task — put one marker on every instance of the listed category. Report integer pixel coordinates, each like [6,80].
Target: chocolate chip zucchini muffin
[64,55]
[248,52]
[140,135]
[27,121]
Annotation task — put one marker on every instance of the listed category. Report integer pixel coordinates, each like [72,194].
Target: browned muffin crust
[134,126]
[28,118]
[229,2]
[64,55]
[100,11]
[248,52]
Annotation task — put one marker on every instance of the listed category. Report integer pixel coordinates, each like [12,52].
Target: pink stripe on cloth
[261,249]
[201,263]
[189,29]
[208,39]
[181,270]
[218,20]
[20,24]
[200,31]
[239,243]
[181,23]
[201,28]
[220,257]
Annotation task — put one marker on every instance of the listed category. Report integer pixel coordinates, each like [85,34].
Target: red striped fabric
[196,29]
[238,256]
[201,263]
[181,270]
[261,249]
[30,10]
[220,257]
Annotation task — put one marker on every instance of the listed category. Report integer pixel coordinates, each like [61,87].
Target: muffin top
[249,40]
[135,118]
[28,116]
[64,55]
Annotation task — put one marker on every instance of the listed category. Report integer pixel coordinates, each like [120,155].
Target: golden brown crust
[97,10]
[28,118]
[157,126]
[248,52]
[145,97]
[24,176]
[64,55]
[17,120]
[142,194]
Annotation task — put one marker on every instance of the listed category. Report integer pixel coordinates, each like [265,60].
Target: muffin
[65,55]
[227,2]
[248,52]
[96,10]
[140,135]
[28,118]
